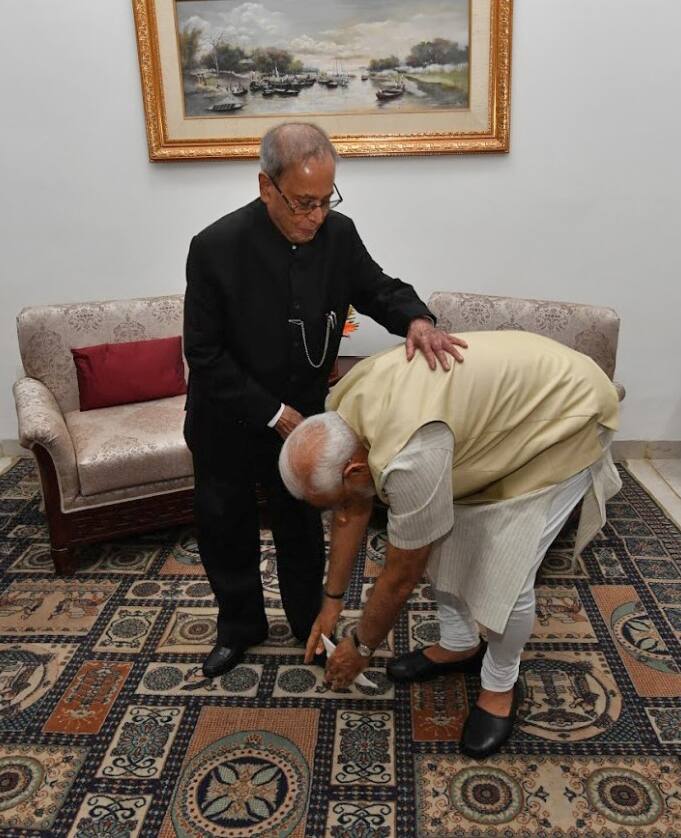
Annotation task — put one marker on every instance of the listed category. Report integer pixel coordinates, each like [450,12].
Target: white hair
[333,441]
[293,142]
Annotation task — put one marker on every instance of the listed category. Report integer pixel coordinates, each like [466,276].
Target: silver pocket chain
[331,320]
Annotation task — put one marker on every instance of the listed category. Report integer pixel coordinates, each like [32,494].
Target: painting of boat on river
[281,57]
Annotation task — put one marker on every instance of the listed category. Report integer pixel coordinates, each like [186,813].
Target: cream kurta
[481,553]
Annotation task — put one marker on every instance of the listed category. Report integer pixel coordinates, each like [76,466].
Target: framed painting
[382,77]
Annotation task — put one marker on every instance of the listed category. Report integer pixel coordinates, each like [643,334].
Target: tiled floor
[662,478]
[671,471]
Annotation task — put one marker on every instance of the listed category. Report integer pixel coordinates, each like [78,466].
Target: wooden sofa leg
[64,559]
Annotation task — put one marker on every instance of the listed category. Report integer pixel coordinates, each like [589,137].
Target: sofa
[120,470]
[107,472]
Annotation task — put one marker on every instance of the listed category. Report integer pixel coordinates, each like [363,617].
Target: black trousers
[228,461]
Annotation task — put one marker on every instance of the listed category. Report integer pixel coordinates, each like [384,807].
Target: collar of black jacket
[273,235]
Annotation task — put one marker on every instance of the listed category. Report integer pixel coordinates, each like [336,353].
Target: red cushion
[138,371]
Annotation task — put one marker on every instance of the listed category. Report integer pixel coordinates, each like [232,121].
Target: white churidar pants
[458,630]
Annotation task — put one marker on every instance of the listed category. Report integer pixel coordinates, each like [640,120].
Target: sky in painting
[321,32]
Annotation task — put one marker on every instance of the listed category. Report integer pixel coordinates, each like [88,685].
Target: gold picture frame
[173,134]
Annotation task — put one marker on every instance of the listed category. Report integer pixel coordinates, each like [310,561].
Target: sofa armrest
[41,422]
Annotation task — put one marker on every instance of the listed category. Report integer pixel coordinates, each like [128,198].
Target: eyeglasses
[306,207]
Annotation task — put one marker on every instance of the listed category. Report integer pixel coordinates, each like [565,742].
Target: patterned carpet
[107,727]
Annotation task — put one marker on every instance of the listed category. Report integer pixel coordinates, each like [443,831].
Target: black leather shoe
[484,733]
[221,660]
[415,666]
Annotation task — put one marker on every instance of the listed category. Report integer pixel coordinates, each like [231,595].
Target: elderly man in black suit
[268,291]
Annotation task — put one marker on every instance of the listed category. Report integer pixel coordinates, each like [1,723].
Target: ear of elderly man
[479,466]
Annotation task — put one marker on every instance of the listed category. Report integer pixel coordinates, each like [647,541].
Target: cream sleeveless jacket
[524,411]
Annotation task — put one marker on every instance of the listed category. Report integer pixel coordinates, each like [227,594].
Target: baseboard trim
[11,448]
[638,449]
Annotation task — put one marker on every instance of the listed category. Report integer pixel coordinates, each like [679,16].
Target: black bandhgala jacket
[246,283]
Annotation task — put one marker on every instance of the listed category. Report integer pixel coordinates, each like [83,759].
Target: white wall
[585,208]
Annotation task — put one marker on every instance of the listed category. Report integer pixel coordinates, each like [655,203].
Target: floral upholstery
[107,455]
[47,334]
[147,490]
[41,421]
[592,330]
[129,445]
